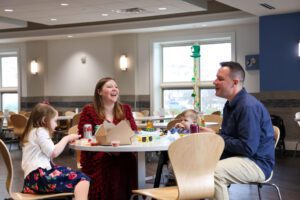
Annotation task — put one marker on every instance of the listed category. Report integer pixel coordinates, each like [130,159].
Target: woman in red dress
[113,175]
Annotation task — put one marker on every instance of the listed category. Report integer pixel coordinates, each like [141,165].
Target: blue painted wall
[279,62]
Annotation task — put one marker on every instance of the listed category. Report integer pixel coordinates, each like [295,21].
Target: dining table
[141,148]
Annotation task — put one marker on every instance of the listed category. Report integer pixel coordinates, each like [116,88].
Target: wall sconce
[34,67]
[123,62]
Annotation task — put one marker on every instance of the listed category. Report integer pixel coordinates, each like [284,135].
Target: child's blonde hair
[40,117]
[193,115]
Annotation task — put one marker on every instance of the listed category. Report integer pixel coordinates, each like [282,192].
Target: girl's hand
[73,137]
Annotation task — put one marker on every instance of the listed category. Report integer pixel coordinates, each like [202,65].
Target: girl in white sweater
[41,175]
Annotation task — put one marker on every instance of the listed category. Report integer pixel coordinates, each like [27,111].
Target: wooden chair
[145,112]
[216,113]
[137,114]
[214,118]
[75,119]
[68,122]
[74,130]
[10,176]
[194,159]
[268,181]
[172,123]
[18,122]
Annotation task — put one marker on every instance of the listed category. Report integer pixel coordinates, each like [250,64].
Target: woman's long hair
[40,117]
[99,105]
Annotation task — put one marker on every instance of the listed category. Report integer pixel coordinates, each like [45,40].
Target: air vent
[267,6]
[131,10]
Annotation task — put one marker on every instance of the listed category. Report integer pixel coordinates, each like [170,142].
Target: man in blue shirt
[247,131]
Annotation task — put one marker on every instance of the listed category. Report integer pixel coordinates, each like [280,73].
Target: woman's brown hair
[98,102]
[40,117]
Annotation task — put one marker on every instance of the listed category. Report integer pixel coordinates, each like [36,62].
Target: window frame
[5,90]
[157,57]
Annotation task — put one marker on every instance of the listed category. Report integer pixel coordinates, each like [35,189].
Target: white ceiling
[254,7]
[82,11]
[179,14]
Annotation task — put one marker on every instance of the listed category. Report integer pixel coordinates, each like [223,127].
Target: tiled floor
[286,176]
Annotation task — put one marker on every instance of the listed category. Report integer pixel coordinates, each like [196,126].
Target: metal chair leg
[259,186]
[295,152]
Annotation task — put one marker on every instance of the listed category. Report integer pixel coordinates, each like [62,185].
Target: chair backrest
[216,112]
[145,112]
[137,114]
[276,135]
[69,113]
[75,119]
[8,163]
[214,118]
[19,123]
[73,130]
[172,123]
[194,159]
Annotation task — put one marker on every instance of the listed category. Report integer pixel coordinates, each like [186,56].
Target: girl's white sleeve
[45,142]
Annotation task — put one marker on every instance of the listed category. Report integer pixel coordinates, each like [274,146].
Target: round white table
[139,147]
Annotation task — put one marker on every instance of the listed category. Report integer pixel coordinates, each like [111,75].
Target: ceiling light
[104,15]
[162,8]
[53,19]
[70,36]
[8,10]
[64,4]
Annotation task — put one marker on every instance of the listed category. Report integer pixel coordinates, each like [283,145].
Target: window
[9,82]
[177,72]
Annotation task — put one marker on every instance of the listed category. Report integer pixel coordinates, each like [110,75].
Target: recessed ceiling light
[8,10]
[64,4]
[203,25]
[53,19]
[104,15]
[162,8]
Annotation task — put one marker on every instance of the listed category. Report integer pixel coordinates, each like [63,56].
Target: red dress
[113,176]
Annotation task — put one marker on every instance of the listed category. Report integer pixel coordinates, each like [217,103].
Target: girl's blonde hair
[40,117]
[98,102]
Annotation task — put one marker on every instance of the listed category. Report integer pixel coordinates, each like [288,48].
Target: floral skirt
[56,180]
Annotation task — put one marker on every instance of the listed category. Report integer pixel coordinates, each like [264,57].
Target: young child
[188,117]
[41,175]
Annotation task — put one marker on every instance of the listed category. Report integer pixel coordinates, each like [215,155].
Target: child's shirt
[37,151]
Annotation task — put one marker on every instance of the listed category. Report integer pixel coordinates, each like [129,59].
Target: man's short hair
[236,70]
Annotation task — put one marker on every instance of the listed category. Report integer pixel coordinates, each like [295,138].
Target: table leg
[163,159]
[141,170]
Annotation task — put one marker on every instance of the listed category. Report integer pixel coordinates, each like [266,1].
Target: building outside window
[9,82]
[177,72]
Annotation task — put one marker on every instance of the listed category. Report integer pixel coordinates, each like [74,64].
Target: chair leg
[259,186]
[277,189]
[163,158]
[295,152]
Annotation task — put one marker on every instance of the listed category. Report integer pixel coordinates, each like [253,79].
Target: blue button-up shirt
[247,131]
